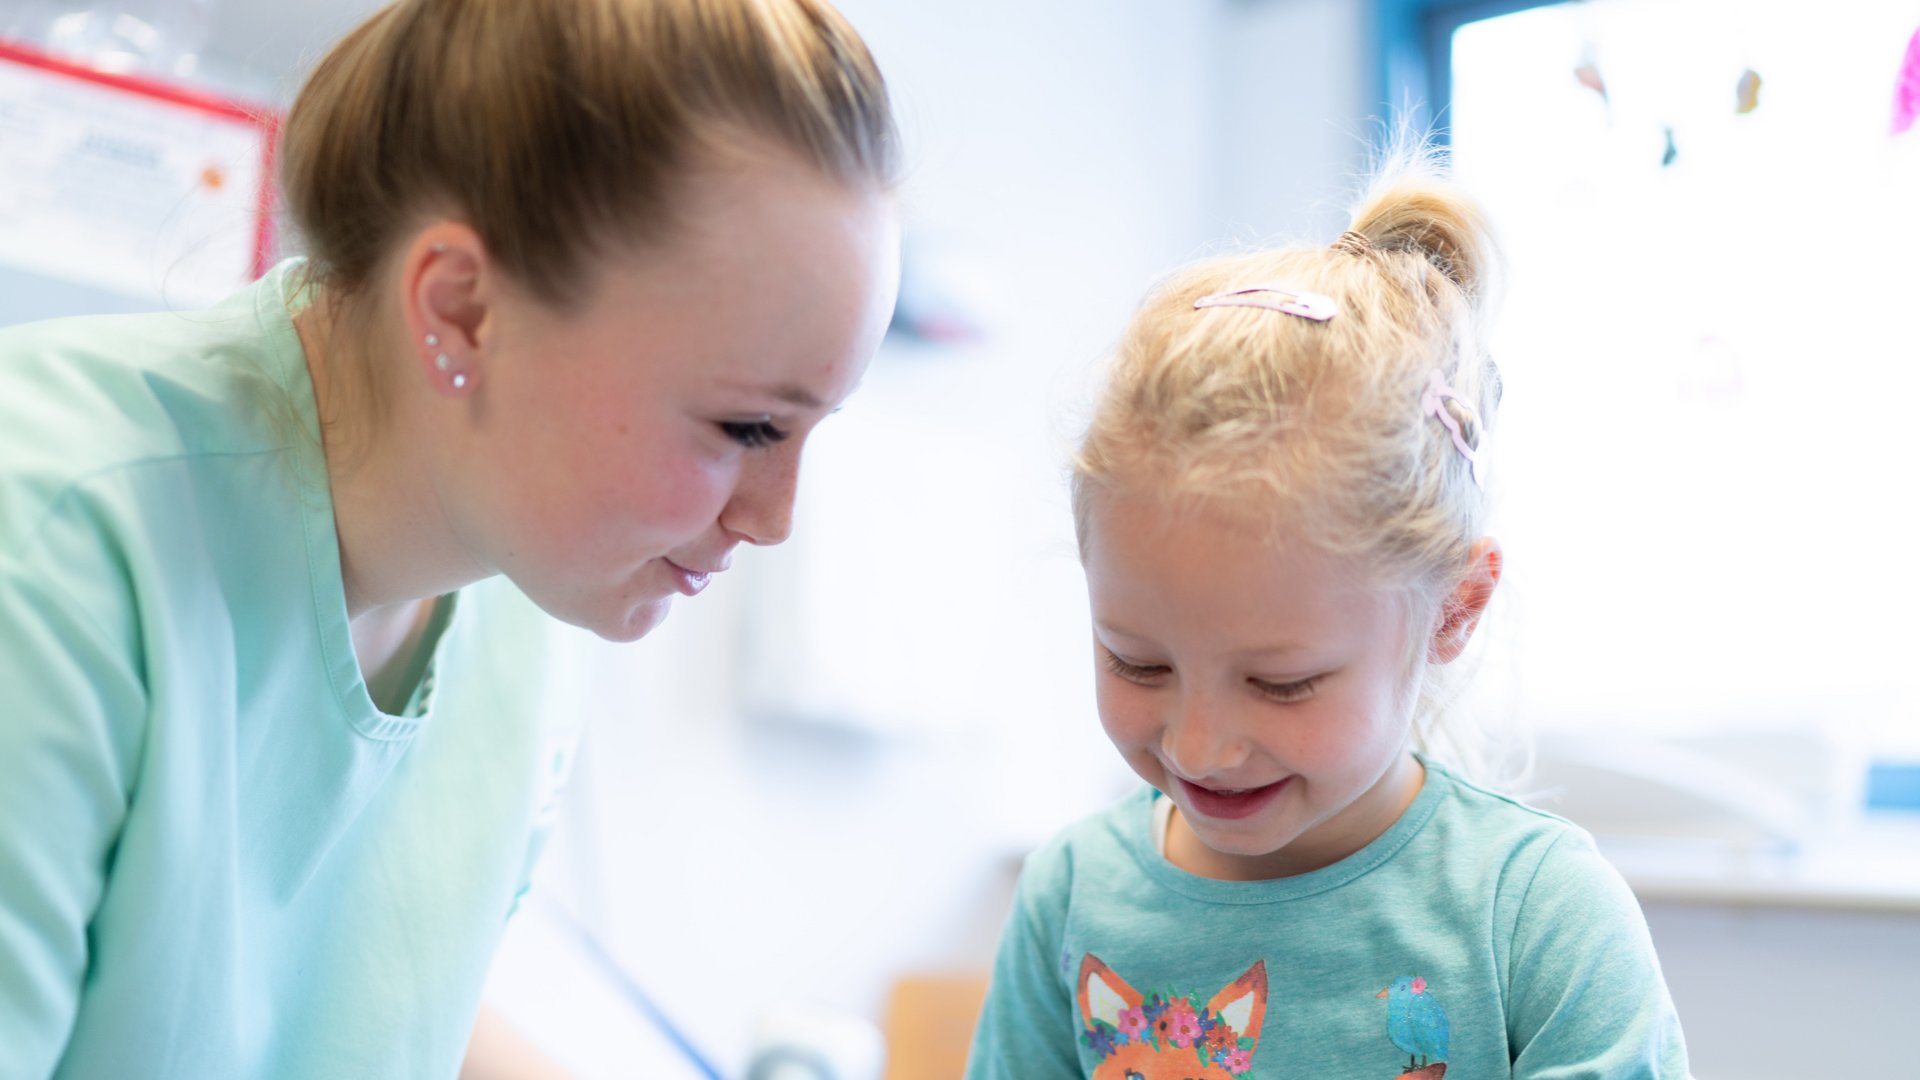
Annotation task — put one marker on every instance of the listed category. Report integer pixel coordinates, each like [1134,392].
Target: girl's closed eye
[1130,671]
[753,434]
[1286,693]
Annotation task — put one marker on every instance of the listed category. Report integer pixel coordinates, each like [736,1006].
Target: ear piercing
[443,362]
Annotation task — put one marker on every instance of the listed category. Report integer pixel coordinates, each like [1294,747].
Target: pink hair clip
[1434,403]
[1306,305]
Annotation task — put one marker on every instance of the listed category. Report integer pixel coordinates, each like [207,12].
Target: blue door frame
[1413,54]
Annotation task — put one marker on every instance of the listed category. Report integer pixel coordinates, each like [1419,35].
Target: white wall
[1295,122]
[265,48]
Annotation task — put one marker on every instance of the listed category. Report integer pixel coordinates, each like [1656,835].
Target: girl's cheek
[1124,712]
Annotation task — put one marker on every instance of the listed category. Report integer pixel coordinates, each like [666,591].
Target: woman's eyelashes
[1283,692]
[753,434]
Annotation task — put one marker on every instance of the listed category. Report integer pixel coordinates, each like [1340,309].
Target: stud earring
[459,380]
[433,341]
[442,362]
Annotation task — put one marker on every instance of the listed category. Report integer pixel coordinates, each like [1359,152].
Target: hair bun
[1412,206]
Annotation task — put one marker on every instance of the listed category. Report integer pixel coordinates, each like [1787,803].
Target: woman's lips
[1229,805]
[689,582]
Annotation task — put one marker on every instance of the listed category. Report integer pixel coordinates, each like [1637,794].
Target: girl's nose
[1202,738]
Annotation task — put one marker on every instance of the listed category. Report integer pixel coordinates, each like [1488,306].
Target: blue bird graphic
[1415,1021]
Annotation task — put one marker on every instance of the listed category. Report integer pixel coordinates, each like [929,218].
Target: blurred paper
[129,185]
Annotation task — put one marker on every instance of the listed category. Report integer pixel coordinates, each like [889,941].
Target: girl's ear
[1463,607]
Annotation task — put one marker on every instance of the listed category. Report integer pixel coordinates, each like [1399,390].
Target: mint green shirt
[218,858]
[1476,937]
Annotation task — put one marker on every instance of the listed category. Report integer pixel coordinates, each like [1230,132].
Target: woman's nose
[761,509]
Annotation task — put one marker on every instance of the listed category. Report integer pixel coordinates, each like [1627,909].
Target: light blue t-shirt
[218,858]
[1475,938]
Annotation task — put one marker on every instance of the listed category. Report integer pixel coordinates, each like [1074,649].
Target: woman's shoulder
[85,400]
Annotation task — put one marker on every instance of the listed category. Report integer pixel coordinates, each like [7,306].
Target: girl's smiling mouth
[1229,804]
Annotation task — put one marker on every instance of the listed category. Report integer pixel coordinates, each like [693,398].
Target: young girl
[1280,511]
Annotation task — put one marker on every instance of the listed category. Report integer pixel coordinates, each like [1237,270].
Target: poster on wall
[123,183]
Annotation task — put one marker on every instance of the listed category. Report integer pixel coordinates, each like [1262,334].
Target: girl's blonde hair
[1315,430]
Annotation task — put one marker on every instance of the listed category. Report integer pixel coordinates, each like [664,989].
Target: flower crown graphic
[1221,1032]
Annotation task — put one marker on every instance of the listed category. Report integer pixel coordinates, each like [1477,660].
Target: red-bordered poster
[125,183]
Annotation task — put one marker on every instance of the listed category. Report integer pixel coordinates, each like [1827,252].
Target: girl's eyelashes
[753,434]
[1286,693]
[1130,672]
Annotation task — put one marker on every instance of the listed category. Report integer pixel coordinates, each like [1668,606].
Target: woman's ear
[444,292]
[1463,607]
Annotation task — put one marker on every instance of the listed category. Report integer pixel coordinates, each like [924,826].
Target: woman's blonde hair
[1316,430]
[556,128]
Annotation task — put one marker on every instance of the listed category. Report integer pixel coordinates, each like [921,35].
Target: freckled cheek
[1128,714]
[643,493]
[1311,743]
[1347,734]
[686,495]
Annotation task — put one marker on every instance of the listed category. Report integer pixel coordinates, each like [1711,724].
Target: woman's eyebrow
[796,395]
[791,393]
